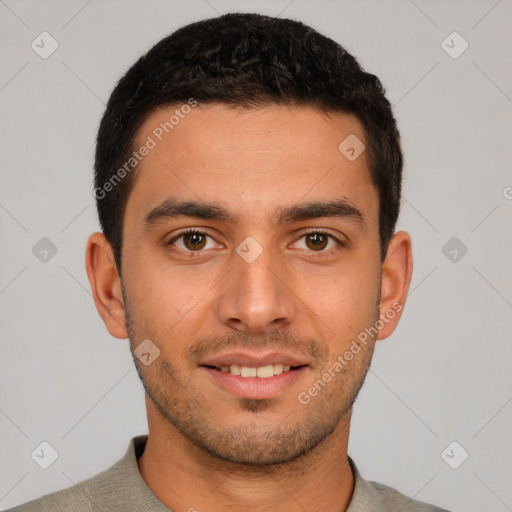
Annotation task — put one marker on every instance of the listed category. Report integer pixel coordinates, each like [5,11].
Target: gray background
[444,375]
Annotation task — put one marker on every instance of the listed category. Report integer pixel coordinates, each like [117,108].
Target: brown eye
[317,241]
[194,241]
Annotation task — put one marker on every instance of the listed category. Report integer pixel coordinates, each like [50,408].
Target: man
[248,179]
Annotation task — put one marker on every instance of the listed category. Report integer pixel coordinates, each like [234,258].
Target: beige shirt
[121,488]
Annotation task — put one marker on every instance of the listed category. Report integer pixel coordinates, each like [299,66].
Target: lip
[254,359]
[255,388]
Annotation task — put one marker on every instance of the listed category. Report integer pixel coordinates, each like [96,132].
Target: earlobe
[105,284]
[396,278]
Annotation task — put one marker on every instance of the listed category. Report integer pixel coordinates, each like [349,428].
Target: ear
[396,278]
[105,284]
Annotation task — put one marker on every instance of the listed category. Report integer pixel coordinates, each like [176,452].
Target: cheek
[345,301]
[168,300]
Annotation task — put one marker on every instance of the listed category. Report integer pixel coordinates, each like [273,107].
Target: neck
[185,477]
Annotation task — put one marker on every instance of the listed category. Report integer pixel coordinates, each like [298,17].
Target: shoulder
[79,498]
[391,498]
[113,489]
[369,496]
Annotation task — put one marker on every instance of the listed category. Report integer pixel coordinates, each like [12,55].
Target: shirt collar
[141,497]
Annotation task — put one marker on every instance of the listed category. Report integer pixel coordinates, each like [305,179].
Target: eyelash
[339,243]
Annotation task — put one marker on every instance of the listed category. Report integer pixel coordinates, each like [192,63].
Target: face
[251,263]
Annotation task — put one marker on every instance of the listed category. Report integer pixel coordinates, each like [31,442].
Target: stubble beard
[254,444]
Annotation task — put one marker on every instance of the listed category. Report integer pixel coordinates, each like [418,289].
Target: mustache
[279,341]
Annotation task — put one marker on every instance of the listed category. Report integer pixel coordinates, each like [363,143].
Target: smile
[255,382]
[263,372]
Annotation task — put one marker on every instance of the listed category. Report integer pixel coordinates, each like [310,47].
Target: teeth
[263,372]
[278,369]
[248,372]
[234,369]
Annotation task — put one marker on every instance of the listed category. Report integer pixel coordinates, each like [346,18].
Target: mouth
[255,376]
[260,372]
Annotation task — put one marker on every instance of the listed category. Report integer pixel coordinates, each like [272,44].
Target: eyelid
[201,231]
[336,238]
[308,231]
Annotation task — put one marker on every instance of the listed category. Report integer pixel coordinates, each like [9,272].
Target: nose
[257,297]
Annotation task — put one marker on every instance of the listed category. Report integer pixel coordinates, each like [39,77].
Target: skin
[209,449]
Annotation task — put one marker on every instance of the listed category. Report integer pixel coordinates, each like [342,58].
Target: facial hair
[253,442]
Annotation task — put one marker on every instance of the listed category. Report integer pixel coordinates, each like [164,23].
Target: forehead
[254,160]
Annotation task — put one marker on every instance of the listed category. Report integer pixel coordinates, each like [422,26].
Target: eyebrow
[172,208]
